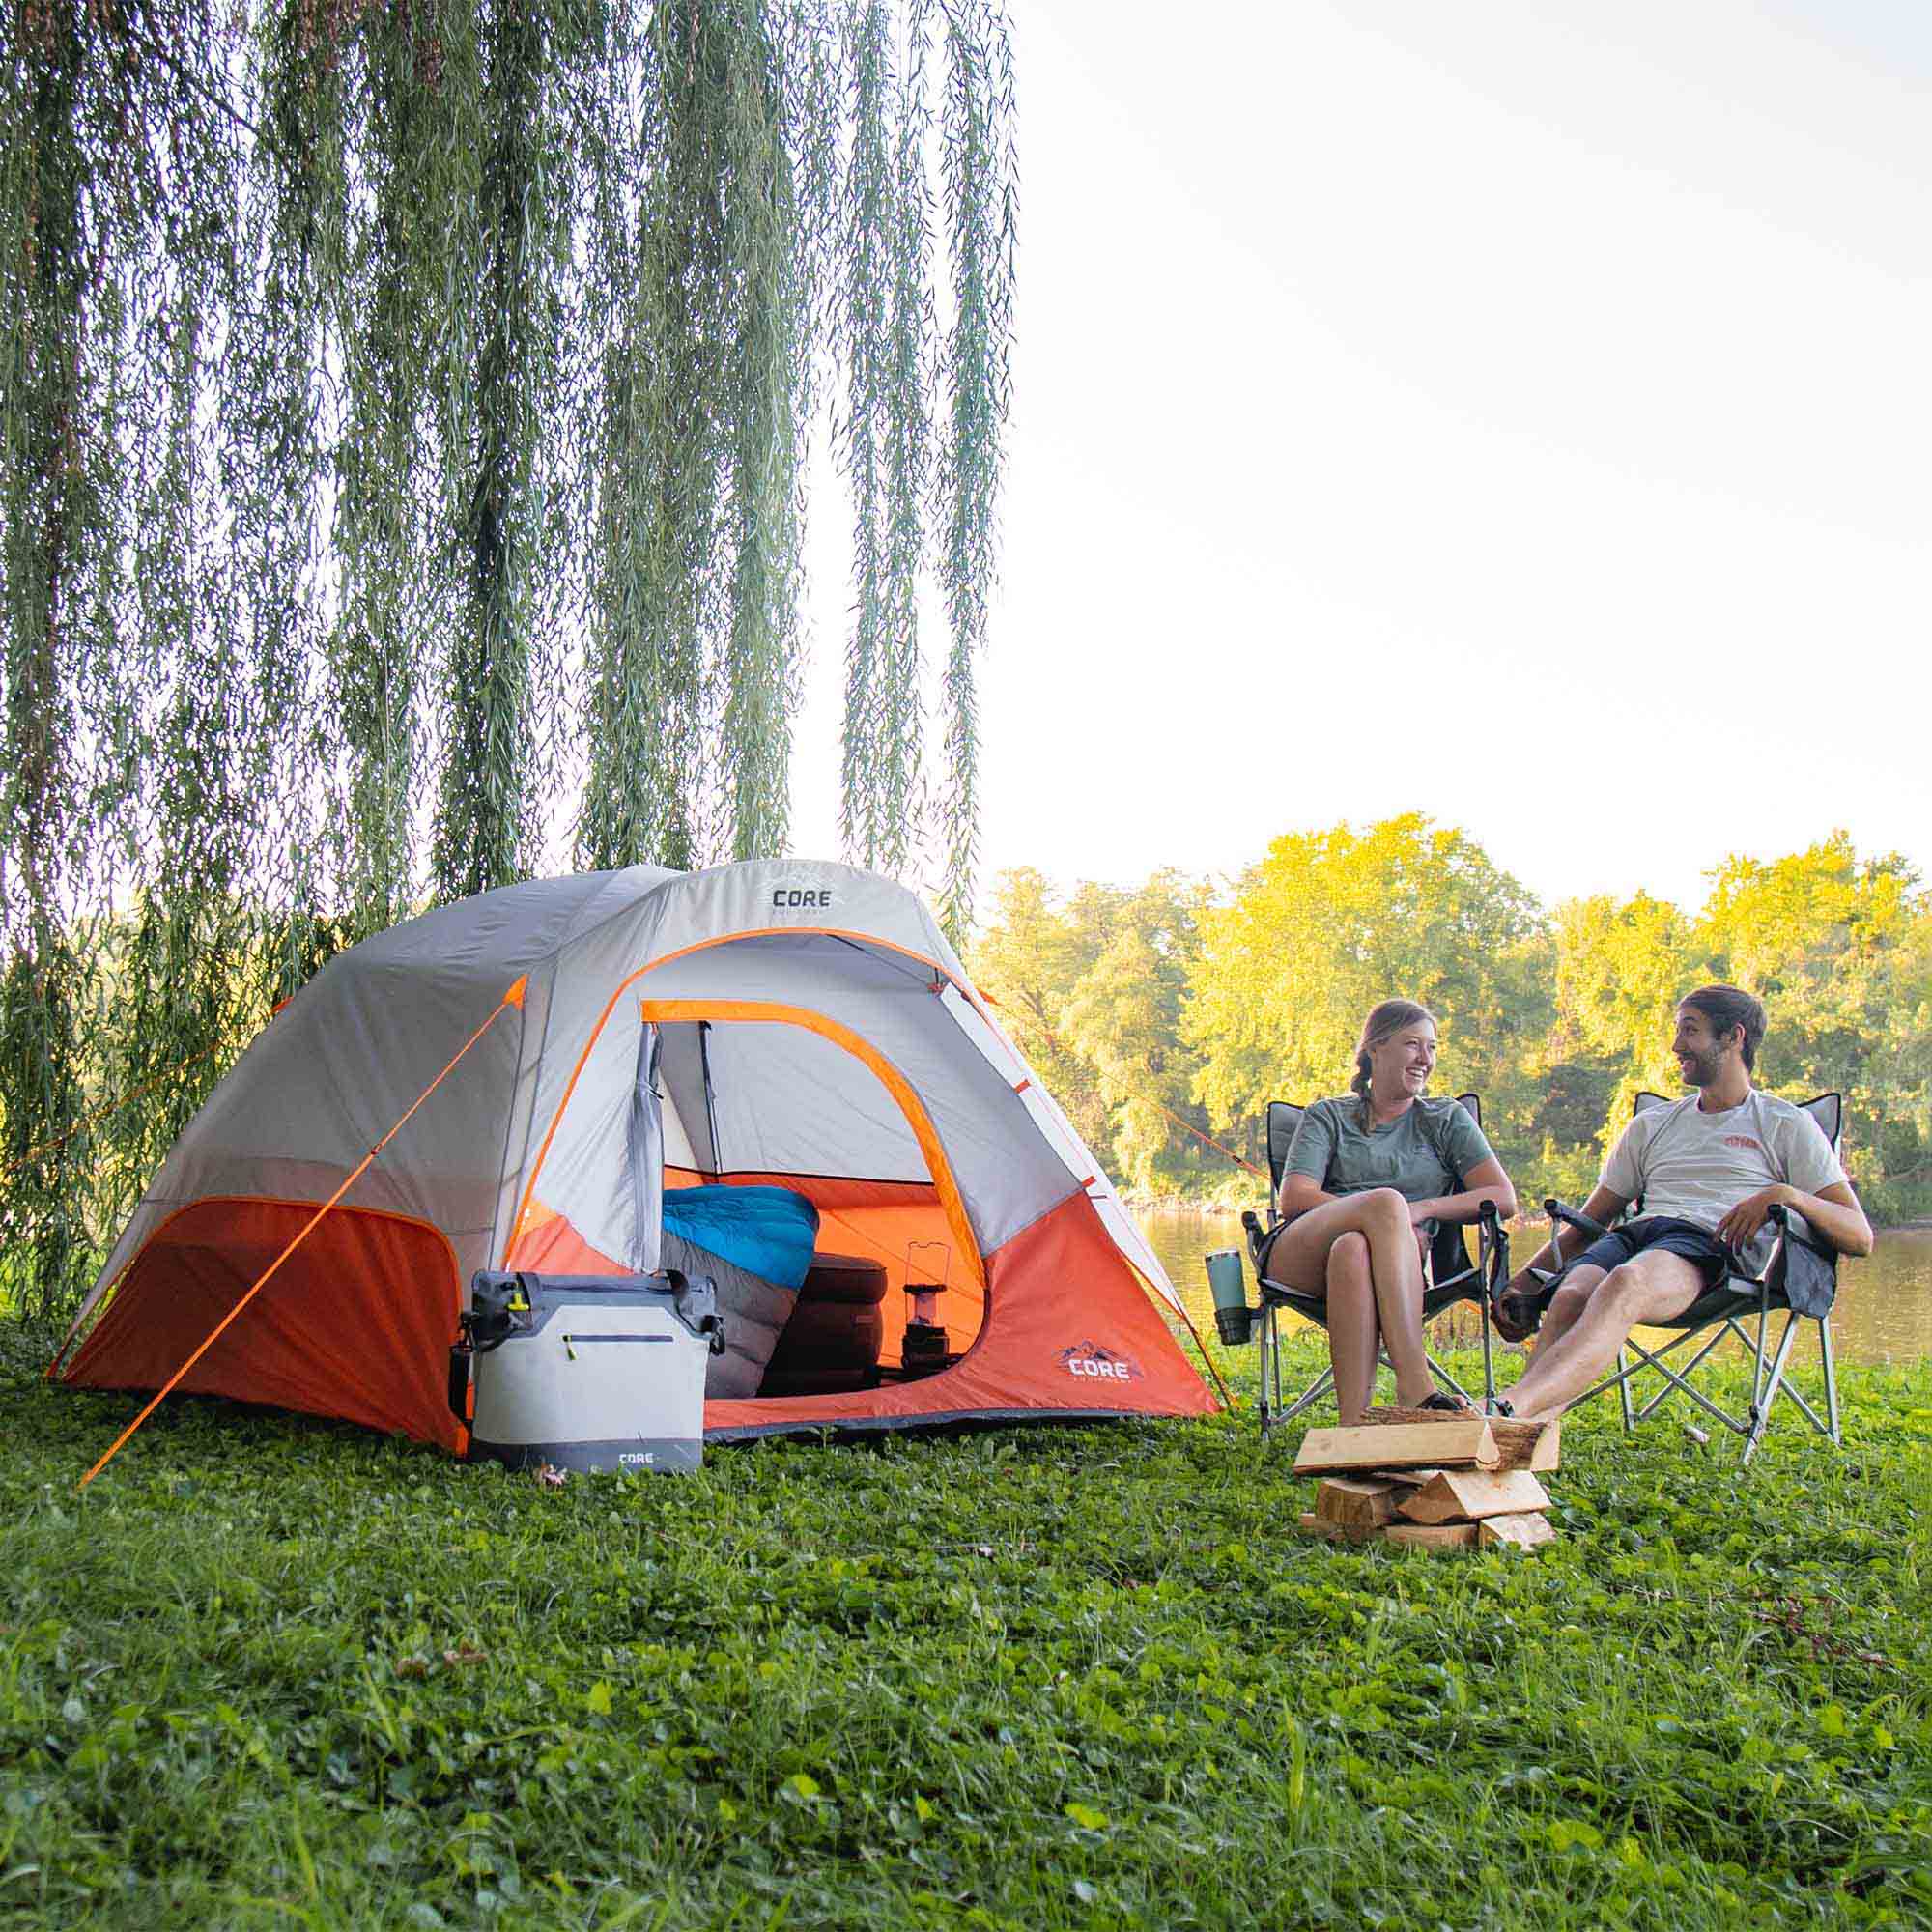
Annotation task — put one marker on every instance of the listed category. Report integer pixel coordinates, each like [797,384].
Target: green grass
[270,1672]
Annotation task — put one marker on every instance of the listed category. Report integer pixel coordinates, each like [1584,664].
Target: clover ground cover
[270,1672]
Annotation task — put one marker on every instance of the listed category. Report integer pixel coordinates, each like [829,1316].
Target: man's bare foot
[1511,1409]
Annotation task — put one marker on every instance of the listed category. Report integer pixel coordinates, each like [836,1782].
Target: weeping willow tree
[405,415]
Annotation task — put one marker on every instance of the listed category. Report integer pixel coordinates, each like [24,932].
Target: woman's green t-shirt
[1420,1153]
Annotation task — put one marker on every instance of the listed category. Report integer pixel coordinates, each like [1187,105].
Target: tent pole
[710,1099]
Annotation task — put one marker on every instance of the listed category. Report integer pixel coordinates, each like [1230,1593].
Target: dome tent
[805,1025]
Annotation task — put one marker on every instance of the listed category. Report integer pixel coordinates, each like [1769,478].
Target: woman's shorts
[1275,1235]
[1673,1236]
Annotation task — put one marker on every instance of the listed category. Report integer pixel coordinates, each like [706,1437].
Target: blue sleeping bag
[769,1231]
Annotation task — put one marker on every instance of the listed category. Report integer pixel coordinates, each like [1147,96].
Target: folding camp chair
[1799,1280]
[1453,1277]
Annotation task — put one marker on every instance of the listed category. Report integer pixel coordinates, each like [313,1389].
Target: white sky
[1514,408]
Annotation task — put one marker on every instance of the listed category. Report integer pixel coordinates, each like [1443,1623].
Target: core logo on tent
[786,898]
[1094,1364]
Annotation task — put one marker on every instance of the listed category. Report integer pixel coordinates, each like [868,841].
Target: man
[1710,1168]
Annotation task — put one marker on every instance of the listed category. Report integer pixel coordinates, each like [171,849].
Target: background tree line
[1174,1002]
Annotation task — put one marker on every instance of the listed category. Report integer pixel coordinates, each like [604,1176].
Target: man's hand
[1744,1220]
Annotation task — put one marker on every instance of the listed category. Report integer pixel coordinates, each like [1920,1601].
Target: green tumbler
[1228,1283]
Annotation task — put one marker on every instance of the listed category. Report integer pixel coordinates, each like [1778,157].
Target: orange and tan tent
[775,1022]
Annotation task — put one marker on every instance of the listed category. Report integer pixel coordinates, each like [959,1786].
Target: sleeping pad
[756,1244]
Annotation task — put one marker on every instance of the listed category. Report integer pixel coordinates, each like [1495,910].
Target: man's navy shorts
[1658,1231]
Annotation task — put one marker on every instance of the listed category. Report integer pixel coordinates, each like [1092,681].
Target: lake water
[1884,1312]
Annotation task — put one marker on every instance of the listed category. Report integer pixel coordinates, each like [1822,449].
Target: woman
[1367,1180]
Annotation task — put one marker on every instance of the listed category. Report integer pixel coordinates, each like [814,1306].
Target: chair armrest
[1492,1258]
[1557,1211]
[1491,1240]
[1258,1236]
[1796,1227]
[1803,1270]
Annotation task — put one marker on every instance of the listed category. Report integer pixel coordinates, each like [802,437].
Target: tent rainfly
[773,1023]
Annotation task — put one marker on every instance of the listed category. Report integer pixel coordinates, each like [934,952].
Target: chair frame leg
[1831,1379]
[1309,1396]
[1758,1362]
[1761,1408]
[1272,1408]
[1673,1380]
[1492,1271]
[1679,1379]
[1769,1365]
[1265,1361]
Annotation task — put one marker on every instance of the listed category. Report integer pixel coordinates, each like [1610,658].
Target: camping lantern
[924,1350]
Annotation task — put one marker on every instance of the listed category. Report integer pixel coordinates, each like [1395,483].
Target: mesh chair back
[1284,1117]
[1451,1253]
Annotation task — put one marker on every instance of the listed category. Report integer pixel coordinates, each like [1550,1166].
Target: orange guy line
[1189,1127]
[1226,1394]
[513,998]
[33,1153]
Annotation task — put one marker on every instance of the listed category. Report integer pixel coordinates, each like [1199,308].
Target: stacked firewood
[1436,1480]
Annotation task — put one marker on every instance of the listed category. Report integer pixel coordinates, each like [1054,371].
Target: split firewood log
[1460,1442]
[1466,1495]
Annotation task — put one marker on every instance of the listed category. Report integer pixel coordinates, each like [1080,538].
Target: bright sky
[1516,411]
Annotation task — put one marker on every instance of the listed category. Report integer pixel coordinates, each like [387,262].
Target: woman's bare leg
[1299,1260]
[1352,1328]
[1398,1297]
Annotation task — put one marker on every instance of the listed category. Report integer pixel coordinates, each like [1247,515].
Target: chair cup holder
[1235,1326]
[1227,1283]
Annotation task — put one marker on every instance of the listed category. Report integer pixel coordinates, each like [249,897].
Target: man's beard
[1703,1070]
